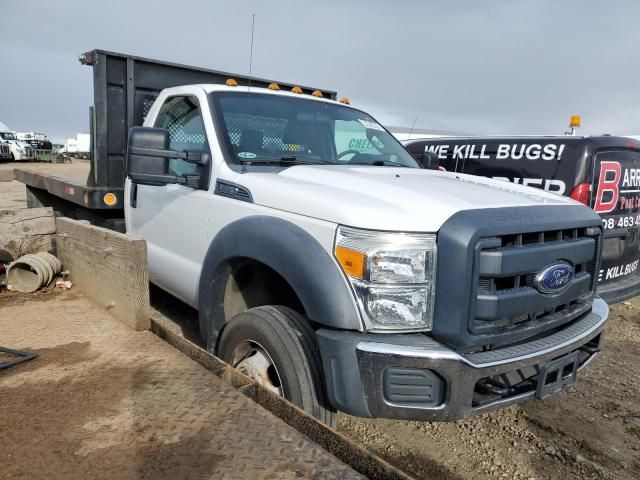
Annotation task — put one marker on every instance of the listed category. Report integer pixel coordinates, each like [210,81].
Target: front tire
[276,347]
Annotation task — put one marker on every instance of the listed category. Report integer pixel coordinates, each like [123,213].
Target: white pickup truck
[328,265]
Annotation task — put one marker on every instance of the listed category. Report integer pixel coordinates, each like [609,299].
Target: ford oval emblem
[554,278]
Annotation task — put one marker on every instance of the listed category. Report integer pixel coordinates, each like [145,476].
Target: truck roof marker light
[574,122]
[581,193]
[231,82]
[317,93]
[352,262]
[345,100]
[273,86]
[110,199]
[296,90]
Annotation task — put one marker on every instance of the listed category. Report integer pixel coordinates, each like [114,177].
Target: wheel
[13,158]
[276,347]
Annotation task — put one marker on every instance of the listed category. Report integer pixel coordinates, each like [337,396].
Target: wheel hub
[253,361]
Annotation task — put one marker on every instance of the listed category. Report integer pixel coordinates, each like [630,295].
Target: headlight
[392,274]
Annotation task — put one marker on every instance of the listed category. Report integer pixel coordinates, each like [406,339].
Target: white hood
[386,198]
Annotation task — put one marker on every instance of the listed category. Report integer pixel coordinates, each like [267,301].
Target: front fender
[294,254]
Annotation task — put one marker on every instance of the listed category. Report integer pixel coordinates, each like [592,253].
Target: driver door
[173,219]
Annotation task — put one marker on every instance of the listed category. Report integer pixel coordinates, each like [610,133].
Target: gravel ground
[590,431]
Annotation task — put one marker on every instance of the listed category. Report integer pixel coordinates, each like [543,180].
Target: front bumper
[25,155]
[414,377]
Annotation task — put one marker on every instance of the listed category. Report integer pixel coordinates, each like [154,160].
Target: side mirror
[145,165]
[148,158]
[429,161]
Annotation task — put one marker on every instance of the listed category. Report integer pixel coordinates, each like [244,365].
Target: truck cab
[18,150]
[325,263]
[598,171]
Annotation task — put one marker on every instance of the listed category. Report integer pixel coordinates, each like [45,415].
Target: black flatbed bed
[69,194]
[71,186]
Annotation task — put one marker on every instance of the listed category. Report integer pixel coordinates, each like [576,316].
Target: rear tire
[285,338]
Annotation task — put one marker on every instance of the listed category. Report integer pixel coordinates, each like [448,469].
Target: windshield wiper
[382,163]
[285,161]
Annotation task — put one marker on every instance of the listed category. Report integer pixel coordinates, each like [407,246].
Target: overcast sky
[477,67]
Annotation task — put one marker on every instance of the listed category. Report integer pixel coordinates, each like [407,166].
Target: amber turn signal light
[352,262]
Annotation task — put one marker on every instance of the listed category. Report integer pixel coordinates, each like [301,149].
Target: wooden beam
[109,267]
[25,230]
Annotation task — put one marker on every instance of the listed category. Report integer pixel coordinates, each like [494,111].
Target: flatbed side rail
[71,186]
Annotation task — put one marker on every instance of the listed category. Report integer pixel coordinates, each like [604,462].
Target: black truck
[602,172]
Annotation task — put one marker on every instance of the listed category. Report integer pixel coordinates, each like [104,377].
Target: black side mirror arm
[192,180]
[186,155]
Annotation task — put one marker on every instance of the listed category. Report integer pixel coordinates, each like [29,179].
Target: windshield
[269,127]
[7,136]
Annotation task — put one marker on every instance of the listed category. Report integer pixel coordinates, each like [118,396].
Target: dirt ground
[590,431]
[74,164]
[12,194]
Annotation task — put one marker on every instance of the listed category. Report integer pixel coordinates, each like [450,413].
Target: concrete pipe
[33,271]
